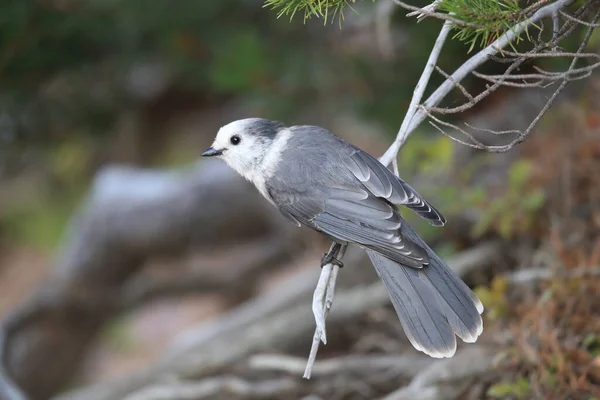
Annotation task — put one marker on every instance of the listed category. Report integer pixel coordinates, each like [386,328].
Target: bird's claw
[330,259]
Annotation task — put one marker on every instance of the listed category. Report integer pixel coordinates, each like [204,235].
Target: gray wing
[351,214]
[383,183]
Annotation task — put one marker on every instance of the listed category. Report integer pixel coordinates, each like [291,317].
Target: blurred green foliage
[66,69]
[508,211]
[518,390]
[118,335]
[39,224]
[65,65]
[65,80]
[514,211]
[494,298]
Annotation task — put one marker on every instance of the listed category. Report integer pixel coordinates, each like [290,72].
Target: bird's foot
[330,259]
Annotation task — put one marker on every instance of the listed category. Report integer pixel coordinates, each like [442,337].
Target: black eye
[235,139]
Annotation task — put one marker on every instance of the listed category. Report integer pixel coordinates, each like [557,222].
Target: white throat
[261,173]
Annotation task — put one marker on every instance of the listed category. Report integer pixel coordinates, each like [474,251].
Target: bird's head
[243,144]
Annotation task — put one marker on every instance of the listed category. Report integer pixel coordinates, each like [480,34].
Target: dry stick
[422,13]
[465,69]
[445,17]
[392,152]
[519,58]
[542,75]
[579,21]
[460,87]
[525,133]
[322,302]
[490,89]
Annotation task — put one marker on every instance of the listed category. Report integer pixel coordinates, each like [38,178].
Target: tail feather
[421,207]
[433,303]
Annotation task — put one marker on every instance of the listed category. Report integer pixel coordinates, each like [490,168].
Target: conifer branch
[541,79]
[426,109]
[325,9]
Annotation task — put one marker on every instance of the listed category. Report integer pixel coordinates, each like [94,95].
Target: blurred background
[124,259]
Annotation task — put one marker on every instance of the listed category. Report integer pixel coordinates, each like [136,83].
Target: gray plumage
[319,180]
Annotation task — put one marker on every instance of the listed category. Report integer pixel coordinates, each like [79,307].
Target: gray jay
[318,180]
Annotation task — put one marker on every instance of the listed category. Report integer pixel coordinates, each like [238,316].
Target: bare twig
[425,11]
[523,134]
[422,13]
[535,6]
[570,74]
[475,143]
[392,151]
[579,21]
[460,87]
[555,26]
[548,54]
[479,97]
[322,302]
[412,120]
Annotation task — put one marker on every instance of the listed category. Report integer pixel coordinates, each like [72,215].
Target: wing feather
[383,183]
[355,216]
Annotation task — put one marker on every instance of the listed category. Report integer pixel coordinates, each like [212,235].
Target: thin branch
[579,21]
[412,121]
[542,75]
[422,13]
[475,143]
[522,135]
[322,302]
[525,133]
[493,132]
[479,97]
[586,69]
[392,151]
[535,6]
[501,79]
[555,26]
[460,87]
[444,17]
[548,54]
[502,82]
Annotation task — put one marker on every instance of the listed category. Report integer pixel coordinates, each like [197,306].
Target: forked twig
[322,302]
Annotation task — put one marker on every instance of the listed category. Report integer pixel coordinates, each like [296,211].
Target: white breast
[269,164]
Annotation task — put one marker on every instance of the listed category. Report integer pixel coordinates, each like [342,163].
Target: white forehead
[235,127]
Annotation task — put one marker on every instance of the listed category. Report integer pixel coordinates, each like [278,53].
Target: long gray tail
[433,303]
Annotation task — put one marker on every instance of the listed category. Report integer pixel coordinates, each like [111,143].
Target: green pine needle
[494,16]
[326,9]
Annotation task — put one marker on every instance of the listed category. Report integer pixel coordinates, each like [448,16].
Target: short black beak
[211,152]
